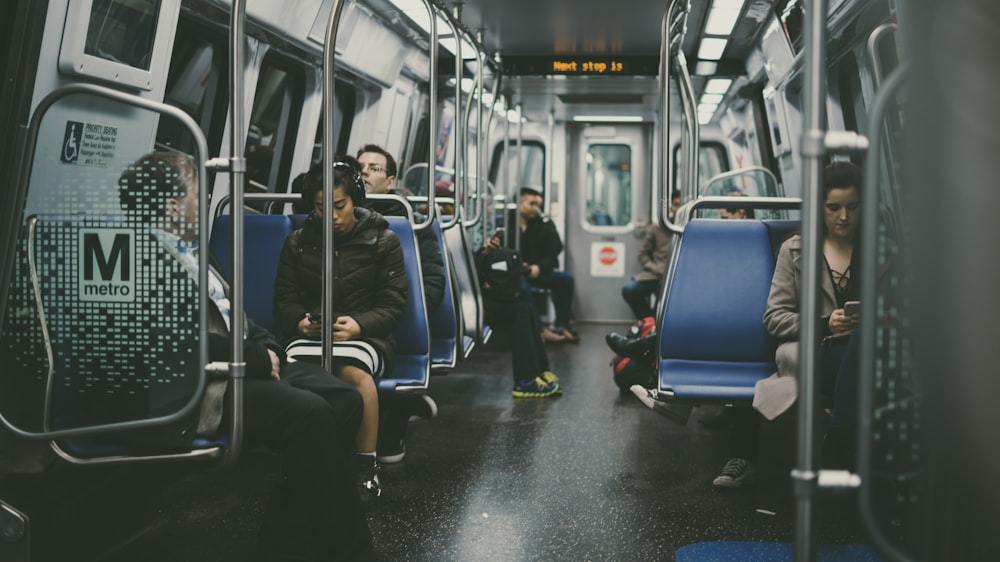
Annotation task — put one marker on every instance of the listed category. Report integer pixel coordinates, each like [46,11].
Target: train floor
[591,475]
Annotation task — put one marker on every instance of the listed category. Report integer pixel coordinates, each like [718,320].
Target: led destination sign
[581,66]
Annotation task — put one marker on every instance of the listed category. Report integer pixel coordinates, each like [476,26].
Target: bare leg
[365,384]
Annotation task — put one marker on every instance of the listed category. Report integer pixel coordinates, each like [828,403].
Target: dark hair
[390,162]
[345,174]
[147,183]
[675,194]
[838,175]
[531,191]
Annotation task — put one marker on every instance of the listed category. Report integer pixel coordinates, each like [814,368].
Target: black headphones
[355,185]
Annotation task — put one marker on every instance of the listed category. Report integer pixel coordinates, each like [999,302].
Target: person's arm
[781,318]
[432,268]
[383,315]
[648,249]
[551,247]
[288,310]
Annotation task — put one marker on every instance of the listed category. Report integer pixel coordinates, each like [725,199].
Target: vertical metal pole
[460,124]
[813,153]
[691,116]
[486,197]
[329,110]
[481,61]
[237,167]
[432,119]
[505,170]
[516,197]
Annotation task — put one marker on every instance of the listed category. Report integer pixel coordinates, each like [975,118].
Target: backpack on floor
[627,371]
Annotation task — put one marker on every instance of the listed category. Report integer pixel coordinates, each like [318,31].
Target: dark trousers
[840,383]
[310,419]
[520,320]
[636,294]
[561,285]
[744,432]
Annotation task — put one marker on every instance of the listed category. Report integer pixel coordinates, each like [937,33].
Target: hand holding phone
[852,308]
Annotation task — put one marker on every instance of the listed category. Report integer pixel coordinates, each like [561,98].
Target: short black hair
[147,183]
[531,191]
[675,194]
[390,162]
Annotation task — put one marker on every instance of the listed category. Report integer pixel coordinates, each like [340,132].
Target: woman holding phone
[839,295]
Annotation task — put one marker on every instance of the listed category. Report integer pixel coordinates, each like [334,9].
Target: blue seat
[413,340]
[263,238]
[713,344]
[444,322]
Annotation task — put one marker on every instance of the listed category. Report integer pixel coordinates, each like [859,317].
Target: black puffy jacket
[369,280]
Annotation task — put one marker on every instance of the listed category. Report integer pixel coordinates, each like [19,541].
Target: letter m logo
[107,264]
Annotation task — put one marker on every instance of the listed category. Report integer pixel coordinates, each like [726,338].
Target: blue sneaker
[536,388]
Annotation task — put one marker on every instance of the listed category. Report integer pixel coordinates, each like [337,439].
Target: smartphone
[499,234]
[315,318]
[852,308]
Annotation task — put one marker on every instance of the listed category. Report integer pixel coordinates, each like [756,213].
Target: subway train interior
[616,113]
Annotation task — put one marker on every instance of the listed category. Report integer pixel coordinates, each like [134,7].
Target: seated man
[370,292]
[737,213]
[378,170]
[540,247]
[507,304]
[296,409]
[653,257]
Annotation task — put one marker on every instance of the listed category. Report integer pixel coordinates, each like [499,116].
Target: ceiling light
[704,118]
[712,48]
[711,98]
[705,68]
[609,118]
[707,107]
[721,21]
[718,86]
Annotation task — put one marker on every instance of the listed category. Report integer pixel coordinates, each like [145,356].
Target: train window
[123,31]
[196,84]
[532,167]
[274,119]
[792,16]
[712,161]
[346,104]
[608,200]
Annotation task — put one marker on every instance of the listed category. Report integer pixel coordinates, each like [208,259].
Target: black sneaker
[369,487]
[536,388]
[736,472]
[391,454]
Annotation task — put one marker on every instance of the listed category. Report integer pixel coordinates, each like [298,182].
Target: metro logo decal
[107,264]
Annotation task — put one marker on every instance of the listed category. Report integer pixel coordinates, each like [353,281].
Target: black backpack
[500,274]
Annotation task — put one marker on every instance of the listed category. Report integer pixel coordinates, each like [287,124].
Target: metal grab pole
[432,119]
[329,105]
[497,80]
[237,167]
[804,477]
[516,196]
[457,121]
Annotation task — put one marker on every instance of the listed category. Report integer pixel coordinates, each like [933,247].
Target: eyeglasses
[373,168]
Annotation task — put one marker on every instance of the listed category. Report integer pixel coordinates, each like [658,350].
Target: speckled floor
[592,475]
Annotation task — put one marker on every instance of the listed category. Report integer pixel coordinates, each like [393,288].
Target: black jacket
[431,264]
[369,280]
[540,244]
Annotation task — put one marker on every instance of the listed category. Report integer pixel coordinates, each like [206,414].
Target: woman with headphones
[369,288]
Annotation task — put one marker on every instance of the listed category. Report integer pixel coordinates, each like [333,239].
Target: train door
[608,195]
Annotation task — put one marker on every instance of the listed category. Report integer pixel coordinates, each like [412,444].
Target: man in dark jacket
[295,409]
[378,169]
[540,248]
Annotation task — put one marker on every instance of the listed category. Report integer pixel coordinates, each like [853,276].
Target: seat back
[106,335]
[263,238]
[713,344]
[467,283]
[413,341]
[444,321]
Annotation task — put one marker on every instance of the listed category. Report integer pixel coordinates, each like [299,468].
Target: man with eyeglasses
[378,170]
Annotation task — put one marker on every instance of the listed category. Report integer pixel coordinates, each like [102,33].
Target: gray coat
[655,253]
[782,319]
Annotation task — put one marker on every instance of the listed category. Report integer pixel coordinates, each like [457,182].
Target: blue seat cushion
[712,380]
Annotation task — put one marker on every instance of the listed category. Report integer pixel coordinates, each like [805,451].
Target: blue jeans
[561,285]
[636,294]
